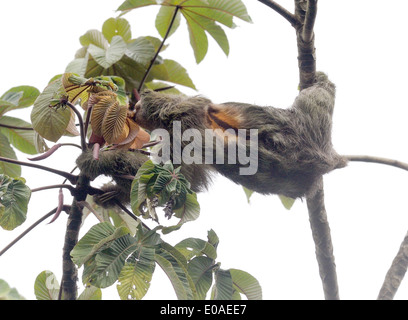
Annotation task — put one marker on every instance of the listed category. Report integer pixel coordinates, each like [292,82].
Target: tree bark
[396,273]
[323,243]
[69,289]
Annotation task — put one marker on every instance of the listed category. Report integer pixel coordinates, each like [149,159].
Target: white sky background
[360,44]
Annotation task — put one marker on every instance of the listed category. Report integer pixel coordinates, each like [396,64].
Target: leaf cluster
[202,17]
[158,185]
[112,254]
[15,132]
[8,293]
[14,198]
[113,52]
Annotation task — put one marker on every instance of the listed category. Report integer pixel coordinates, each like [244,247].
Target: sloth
[290,149]
[120,165]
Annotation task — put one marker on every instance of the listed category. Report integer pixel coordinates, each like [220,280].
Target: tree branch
[323,244]
[69,270]
[306,12]
[159,49]
[55,186]
[282,11]
[65,208]
[396,273]
[388,162]
[310,18]
[71,178]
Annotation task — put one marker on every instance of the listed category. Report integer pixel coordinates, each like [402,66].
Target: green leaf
[133,4]
[136,275]
[200,271]
[138,189]
[198,38]
[248,193]
[190,211]
[110,261]
[172,71]
[158,85]
[78,66]
[46,286]
[213,238]
[39,143]
[141,50]
[23,140]
[213,29]
[165,181]
[219,10]
[14,198]
[191,247]
[116,27]
[286,201]
[7,151]
[17,98]
[177,274]
[107,57]
[223,289]
[164,18]
[7,293]
[91,293]
[50,122]
[99,236]
[245,283]
[94,37]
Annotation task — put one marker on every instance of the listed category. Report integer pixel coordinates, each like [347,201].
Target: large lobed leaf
[174,265]
[46,286]
[23,140]
[110,254]
[14,198]
[17,98]
[8,293]
[135,277]
[49,122]
[202,16]
[7,151]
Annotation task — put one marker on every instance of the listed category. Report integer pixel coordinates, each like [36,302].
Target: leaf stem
[71,178]
[15,127]
[159,49]
[282,11]
[81,124]
[55,186]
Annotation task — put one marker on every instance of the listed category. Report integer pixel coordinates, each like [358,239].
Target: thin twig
[71,178]
[379,160]
[87,120]
[282,11]
[65,208]
[81,124]
[129,213]
[55,186]
[177,8]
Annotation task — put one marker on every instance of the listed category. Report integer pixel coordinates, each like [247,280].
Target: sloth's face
[141,118]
